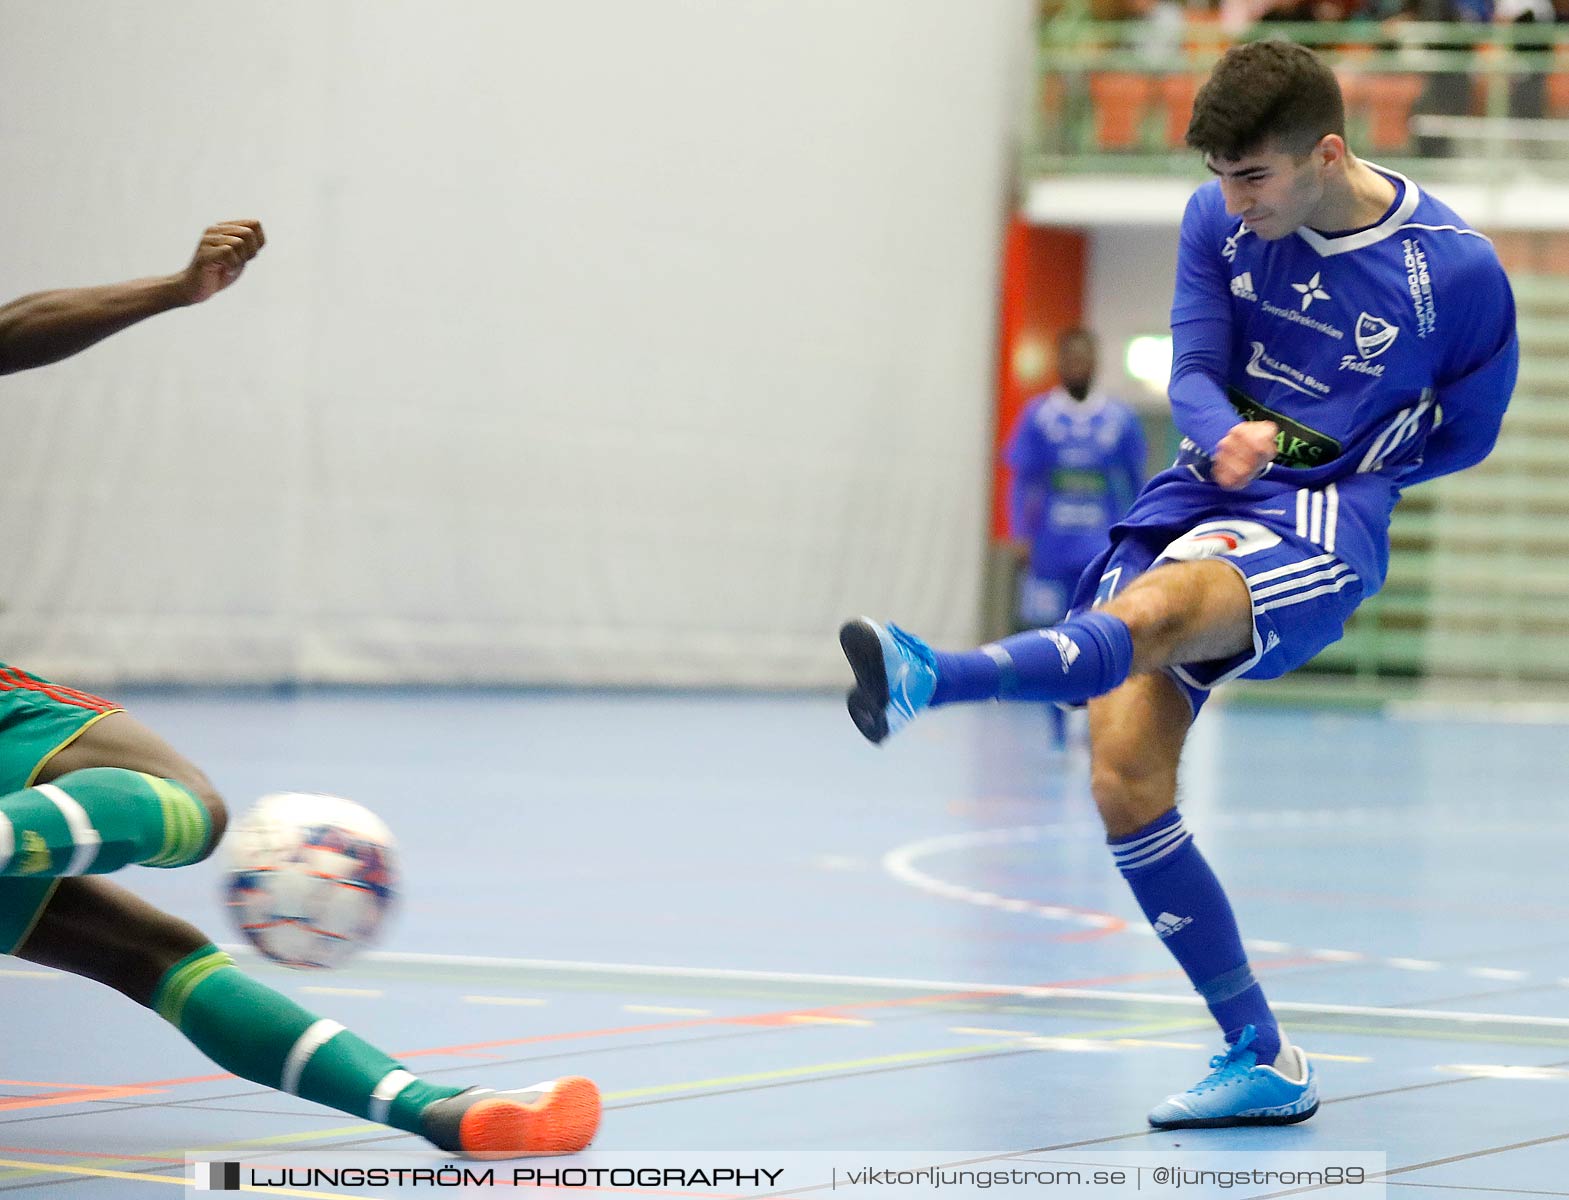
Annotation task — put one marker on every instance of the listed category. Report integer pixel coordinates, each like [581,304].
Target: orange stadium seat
[1176,95]
[1389,100]
[1558,84]
[1120,99]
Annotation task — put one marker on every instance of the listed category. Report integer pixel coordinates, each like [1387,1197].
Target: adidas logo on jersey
[1066,646]
[1166,924]
[1242,286]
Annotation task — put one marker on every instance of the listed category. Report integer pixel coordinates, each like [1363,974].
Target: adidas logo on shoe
[1166,924]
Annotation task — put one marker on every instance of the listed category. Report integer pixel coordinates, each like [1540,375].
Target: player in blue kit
[1078,459]
[1339,335]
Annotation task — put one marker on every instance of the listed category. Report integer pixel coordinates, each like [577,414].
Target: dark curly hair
[1266,92]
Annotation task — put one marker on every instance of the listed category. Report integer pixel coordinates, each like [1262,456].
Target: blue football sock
[1189,910]
[1085,656]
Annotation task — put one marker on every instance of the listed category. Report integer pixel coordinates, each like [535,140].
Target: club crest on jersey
[1374,335]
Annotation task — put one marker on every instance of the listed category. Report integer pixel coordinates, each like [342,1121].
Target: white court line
[1498,973]
[900,863]
[341,991]
[519,1001]
[941,986]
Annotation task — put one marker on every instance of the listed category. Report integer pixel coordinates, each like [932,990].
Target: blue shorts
[1302,594]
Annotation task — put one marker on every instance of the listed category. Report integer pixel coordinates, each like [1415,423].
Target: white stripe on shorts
[1307,564]
[1302,507]
[7,841]
[1299,583]
[85,837]
[1299,597]
[1331,518]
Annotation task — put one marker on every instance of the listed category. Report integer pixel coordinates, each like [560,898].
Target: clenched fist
[220,256]
[1243,454]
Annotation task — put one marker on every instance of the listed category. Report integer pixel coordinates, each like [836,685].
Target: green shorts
[37,720]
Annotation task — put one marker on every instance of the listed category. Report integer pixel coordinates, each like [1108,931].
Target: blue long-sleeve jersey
[1077,464]
[1386,356]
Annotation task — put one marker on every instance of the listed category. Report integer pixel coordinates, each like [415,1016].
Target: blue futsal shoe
[1240,1092]
[895,676]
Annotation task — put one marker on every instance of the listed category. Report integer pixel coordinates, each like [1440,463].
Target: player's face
[1273,191]
[1076,364]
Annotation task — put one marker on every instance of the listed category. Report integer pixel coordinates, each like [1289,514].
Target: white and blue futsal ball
[311,878]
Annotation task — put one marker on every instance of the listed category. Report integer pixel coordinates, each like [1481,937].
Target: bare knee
[1128,799]
[217,811]
[1136,737]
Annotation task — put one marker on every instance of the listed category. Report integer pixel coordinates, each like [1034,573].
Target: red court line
[82,1095]
[148,1158]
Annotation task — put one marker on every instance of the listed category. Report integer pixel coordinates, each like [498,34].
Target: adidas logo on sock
[1166,924]
[1066,646]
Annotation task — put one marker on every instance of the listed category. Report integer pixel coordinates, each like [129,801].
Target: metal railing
[1475,102]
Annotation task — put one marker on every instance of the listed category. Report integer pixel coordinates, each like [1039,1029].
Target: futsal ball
[310,877]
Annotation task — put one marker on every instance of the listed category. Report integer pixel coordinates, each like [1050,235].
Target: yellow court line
[33,1168]
[850,1064]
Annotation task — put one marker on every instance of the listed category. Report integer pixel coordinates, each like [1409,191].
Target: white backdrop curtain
[596,341]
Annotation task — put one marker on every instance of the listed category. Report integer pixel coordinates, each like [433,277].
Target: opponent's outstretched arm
[45,327]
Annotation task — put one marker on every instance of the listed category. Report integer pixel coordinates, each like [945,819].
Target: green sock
[261,1035]
[98,820]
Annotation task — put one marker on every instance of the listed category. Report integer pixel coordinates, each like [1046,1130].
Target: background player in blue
[1077,458]
[1339,335]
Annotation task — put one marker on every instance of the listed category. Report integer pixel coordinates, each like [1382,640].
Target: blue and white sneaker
[895,676]
[1240,1092]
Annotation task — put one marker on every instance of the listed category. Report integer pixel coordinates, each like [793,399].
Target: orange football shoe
[558,1117]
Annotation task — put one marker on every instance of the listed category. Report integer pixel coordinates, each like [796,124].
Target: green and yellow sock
[98,820]
[261,1035]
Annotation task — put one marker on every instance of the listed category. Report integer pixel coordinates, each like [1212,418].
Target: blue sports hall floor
[762,936]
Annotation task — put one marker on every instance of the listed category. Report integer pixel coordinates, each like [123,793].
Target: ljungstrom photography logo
[217,1177]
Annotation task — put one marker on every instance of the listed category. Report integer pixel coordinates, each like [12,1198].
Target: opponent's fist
[1243,454]
[220,256]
